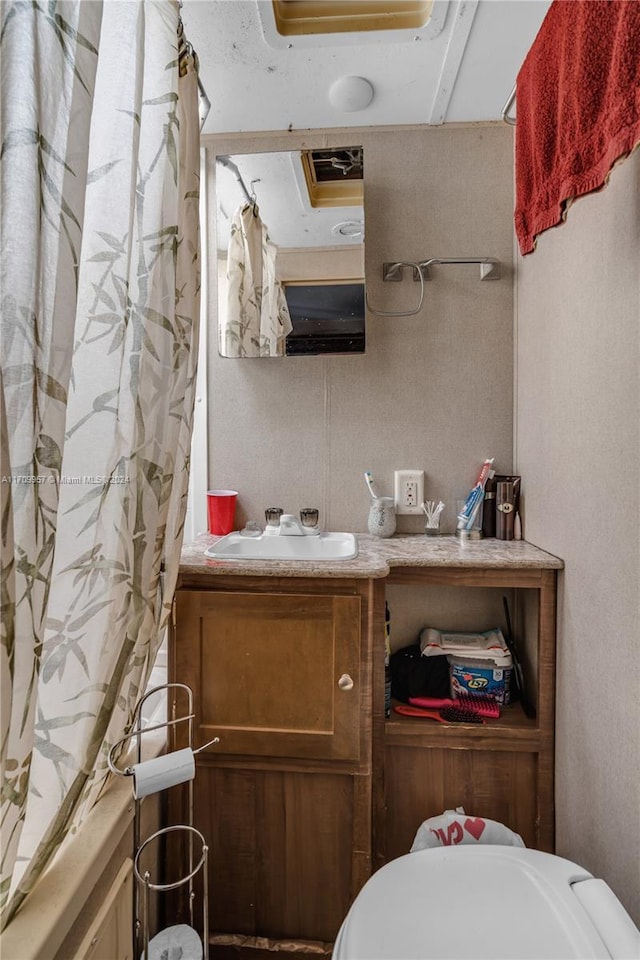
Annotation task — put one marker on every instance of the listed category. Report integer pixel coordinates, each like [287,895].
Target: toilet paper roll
[163,772]
[178,941]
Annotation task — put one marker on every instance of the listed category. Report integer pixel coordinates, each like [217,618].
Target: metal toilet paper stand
[183,935]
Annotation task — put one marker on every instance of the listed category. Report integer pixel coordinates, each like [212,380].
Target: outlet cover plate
[408,488]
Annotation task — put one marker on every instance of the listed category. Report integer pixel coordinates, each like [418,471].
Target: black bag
[413,675]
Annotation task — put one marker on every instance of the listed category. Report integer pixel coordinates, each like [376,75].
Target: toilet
[485,902]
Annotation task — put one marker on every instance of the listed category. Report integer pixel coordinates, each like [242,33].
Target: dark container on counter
[505,509]
[489,507]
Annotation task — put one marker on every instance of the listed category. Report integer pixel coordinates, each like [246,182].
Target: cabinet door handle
[345,682]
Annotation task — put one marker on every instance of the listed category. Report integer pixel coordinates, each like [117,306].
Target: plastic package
[489,643]
[490,678]
[455,827]
[479,663]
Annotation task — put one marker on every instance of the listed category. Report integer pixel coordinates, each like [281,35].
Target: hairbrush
[445,715]
[482,704]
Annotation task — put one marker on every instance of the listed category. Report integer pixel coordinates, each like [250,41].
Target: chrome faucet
[290,526]
[307,526]
[281,524]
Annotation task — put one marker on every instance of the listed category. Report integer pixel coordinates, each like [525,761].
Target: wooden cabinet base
[282,851]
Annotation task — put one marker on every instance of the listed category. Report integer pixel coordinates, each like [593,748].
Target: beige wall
[578,446]
[432,392]
[321,263]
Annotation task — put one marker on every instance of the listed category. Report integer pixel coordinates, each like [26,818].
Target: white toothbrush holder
[382,517]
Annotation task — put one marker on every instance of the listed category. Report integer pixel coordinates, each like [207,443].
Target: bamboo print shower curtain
[100,295]
[256,321]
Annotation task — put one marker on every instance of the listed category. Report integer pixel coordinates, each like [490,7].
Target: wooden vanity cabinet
[281,672]
[310,788]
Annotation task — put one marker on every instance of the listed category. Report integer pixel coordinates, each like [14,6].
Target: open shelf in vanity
[500,770]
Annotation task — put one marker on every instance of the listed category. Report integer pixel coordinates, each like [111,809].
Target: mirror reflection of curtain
[257,321]
[100,291]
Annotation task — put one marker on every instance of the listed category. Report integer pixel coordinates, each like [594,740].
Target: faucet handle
[272,516]
[309,517]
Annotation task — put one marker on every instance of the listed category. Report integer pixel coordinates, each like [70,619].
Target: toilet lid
[483,902]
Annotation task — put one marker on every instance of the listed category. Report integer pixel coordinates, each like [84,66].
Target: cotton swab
[432,511]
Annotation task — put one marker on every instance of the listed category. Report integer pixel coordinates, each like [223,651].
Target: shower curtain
[256,321]
[100,299]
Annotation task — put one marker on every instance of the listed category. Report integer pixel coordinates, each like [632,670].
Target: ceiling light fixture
[350,94]
[348,228]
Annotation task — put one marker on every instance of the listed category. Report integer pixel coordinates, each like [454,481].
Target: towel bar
[505,110]
[489,267]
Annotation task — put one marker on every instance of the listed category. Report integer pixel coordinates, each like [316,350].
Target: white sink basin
[324,546]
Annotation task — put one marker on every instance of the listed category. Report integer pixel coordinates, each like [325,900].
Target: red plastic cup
[221,510]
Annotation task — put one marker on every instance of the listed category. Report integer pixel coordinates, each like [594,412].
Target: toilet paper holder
[131,770]
[139,730]
[152,776]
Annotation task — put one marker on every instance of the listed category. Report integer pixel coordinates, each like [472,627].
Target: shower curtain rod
[185,49]
[230,165]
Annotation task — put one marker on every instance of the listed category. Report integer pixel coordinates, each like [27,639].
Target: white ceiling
[277,179]
[461,67]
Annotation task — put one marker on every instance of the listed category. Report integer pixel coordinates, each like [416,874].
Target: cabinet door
[272,674]
[284,852]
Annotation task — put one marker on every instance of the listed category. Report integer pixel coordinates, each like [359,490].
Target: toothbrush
[370,484]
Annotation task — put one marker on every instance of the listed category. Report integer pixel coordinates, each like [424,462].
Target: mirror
[290,253]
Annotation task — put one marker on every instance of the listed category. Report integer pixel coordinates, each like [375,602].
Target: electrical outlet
[408,491]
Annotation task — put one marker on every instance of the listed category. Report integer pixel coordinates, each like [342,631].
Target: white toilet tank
[477,902]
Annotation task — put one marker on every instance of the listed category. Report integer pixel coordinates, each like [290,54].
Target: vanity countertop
[377,556]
